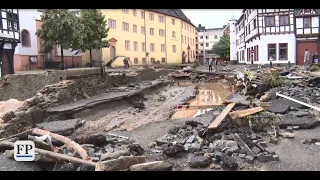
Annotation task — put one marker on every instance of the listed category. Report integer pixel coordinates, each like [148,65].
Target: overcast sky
[211,18]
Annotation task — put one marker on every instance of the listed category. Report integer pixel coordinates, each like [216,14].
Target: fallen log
[57,156]
[242,144]
[248,103]
[71,144]
[245,113]
[221,116]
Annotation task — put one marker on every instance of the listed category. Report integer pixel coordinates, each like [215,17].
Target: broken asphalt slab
[305,122]
[99,99]
[64,128]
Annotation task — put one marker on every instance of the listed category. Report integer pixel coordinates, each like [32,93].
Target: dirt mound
[10,105]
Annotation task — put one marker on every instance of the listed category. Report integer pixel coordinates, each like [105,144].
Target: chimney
[199,25]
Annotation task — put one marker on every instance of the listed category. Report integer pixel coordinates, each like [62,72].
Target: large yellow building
[146,36]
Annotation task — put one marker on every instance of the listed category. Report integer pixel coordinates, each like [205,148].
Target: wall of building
[233,40]
[189,34]
[276,39]
[121,36]
[30,21]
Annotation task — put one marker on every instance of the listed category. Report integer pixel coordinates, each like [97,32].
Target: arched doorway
[112,52]
[5,67]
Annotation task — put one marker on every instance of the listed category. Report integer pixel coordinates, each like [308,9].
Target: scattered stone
[210,148]
[317,143]
[256,150]
[115,155]
[122,163]
[253,136]
[235,149]
[139,105]
[231,143]
[276,158]
[229,152]
[96,139]
[223,165]
[189,128]
[95,159]
[214,160]
[199,162]
[65,167]
[273,140]
[286,134]
[218,155]
[289,129]
[242,156]
[215,166]
[308,142]
[272,152]
[173,150]
[296,127]
[269,157]
[152,166]
[186,147]
[263,144]
[261,157]
[230,162]
[195,147]
[254,142]
[249,159]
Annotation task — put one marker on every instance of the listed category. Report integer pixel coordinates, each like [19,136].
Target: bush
[274,80]
[315,68]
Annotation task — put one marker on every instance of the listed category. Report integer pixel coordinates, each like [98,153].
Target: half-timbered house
[307,32]
[9,37]
[240,39]
[268,36]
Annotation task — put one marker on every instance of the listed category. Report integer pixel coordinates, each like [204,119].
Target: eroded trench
[146,115]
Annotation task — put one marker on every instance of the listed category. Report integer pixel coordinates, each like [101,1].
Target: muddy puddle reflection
[210,94]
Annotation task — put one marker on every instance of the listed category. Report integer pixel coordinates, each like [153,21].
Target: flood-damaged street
[172,118]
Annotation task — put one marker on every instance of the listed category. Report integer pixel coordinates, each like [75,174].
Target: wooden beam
[245,113]
[221,116]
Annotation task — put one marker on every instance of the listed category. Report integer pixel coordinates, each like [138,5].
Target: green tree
[94,32]
[222,48]
[60,27]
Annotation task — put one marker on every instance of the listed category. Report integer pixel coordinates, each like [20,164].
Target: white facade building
[264,35]
[207,38]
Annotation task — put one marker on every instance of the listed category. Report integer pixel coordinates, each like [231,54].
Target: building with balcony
[147,36]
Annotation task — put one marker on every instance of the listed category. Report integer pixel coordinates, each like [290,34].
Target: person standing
[216,63]
[306,59]
[316,58]
[210,65]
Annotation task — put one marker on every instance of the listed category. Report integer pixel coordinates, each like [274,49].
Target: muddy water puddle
[210,95]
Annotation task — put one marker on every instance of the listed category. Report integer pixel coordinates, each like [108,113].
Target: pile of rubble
[85,153]
[225,148]
[32,110]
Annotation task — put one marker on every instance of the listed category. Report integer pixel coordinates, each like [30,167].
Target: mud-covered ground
[123,116]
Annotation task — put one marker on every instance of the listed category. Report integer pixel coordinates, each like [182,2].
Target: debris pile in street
[98,152]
